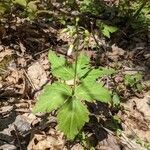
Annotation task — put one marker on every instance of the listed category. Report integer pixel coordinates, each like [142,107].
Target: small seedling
[133,81]
[107,30]
[30,7]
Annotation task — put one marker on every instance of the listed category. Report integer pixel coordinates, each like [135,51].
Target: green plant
[70,100]
[4,7]
[30,7]
[133,80]
[115,99]
[89,6]
[107,30]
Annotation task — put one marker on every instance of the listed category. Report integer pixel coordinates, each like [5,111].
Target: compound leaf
[52,97]
[72,117]
[90,92]
[59,68]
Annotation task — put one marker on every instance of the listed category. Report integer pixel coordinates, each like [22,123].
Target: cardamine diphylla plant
[69,100]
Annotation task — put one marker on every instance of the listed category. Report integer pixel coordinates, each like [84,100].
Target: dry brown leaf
[53,141]
[37,75]
[137,118]
[116,53]
[110,143]
[6,52]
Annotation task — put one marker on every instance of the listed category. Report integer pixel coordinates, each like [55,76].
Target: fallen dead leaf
[37,75]
[6,52]
[53,141]
[116,53]
[137,117]
[110,143]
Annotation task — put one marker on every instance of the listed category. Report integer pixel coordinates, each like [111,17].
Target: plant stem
[76,58]
[75,73]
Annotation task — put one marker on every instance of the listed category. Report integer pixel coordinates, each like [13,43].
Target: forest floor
[24,70]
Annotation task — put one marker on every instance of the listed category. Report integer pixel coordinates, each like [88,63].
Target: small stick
[17,136]
[33,86]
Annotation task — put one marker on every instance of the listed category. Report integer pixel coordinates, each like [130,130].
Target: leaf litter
[25,75]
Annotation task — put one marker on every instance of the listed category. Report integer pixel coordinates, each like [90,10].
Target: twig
[140,31]
[17,136]
[3,70]
[33,86]
[133,70]
[100,46]
[130,144]
[41,52]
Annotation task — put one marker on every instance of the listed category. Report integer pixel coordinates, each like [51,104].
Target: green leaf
[106,71]
[59,68]
[82,65]
[106,33]
[93,74]
[72,117]
[138,77]
[21,2]
[3,8]
[129,80]
[83,62]
[52,97]
[93,91]
[139,87]
[32,7]
[116,99]
[132,79]
[107,30]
